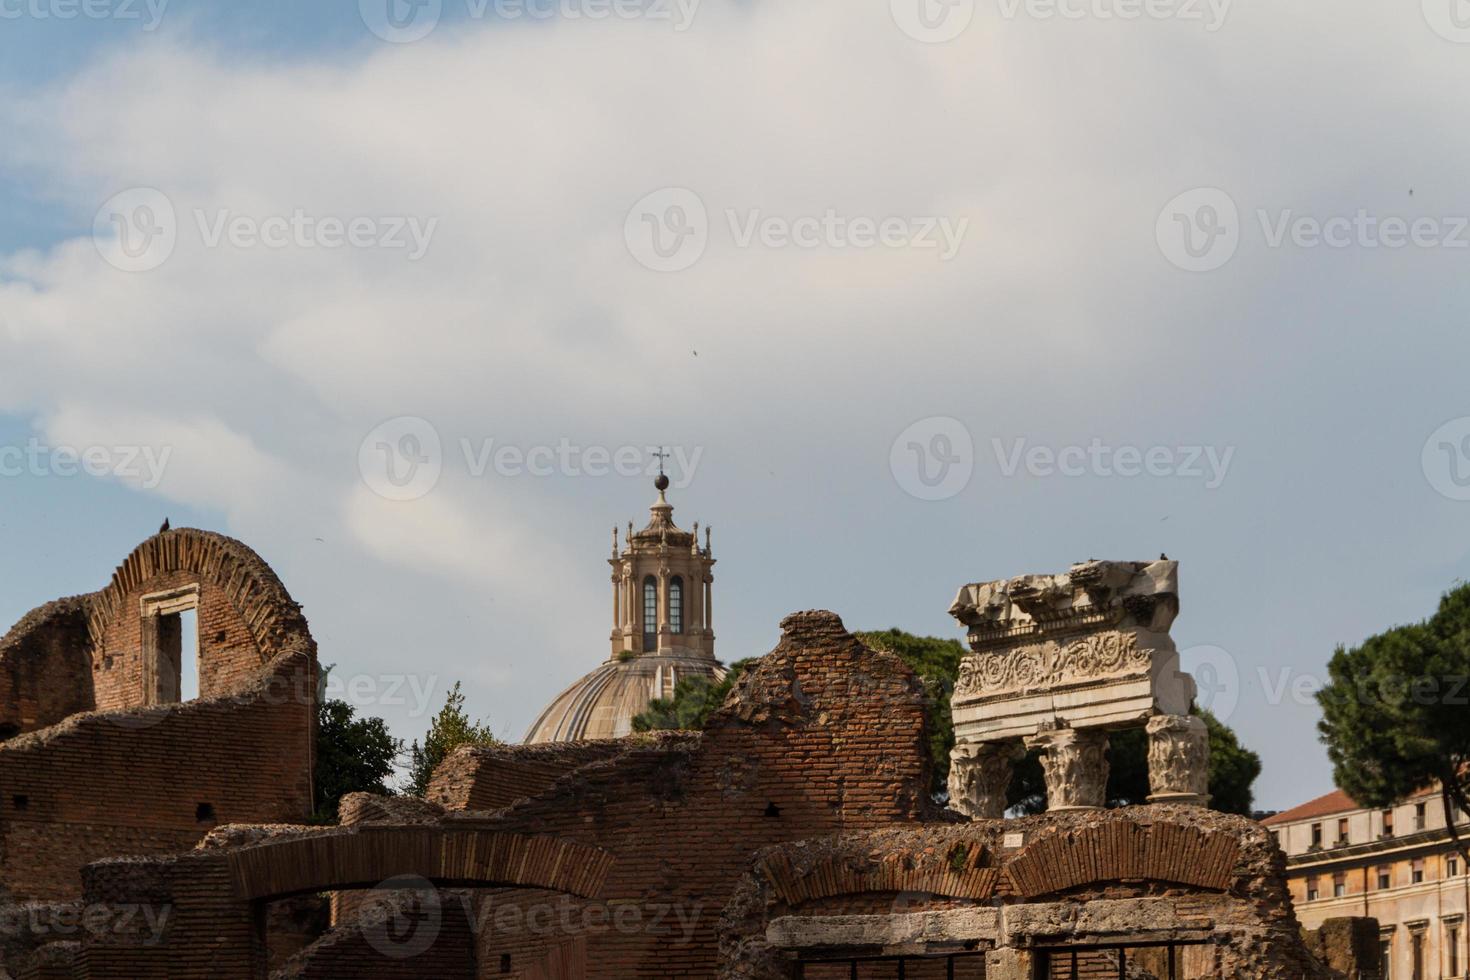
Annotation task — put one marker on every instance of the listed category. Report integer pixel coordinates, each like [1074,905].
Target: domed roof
[661,528]
[604,703]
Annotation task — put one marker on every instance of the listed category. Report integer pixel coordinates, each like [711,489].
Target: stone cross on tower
[1059,661]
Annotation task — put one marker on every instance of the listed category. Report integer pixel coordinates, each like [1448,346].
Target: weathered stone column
[1178,760]
[979,776]
[1076,767]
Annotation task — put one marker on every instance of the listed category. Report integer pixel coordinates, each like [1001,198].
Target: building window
[650,613]
[1419,812]
[676,604]
[1385,880]
[1417,874]
[1339,885]
[1316,836]
[1452,867]
[1387,823]
[1452,949]
[170,635]
[1342,831]
[1311,889]
[1416,955]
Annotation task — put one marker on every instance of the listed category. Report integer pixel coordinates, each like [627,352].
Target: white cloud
[528,320]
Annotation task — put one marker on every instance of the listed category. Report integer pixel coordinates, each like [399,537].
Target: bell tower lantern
[661,579]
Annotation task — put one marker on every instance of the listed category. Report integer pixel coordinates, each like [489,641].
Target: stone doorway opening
[953,966]
[1163,961]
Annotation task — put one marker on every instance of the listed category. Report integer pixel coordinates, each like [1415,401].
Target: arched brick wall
[245,615]
[1144,876]
[89,769]
[216,893]
[368,857]
[1164,852]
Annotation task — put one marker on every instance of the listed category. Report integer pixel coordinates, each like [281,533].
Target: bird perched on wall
[165,526]
[1163,557]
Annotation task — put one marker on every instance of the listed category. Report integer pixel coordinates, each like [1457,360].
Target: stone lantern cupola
[661,581]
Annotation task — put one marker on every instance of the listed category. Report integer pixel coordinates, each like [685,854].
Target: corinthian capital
[979,776]
[1178,760]
[1076,767]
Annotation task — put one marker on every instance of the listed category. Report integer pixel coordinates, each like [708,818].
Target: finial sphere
[662,483]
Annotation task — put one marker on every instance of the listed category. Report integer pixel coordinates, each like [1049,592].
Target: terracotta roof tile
[1335,802]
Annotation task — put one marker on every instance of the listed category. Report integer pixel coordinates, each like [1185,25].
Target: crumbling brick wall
[218,897]
[435,935]
[488,778]
[46,667]
[94,774]
[1204,880]
[1348,945]
[821,736]
[244,614]
[153,780]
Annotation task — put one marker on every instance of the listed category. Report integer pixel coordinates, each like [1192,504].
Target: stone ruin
[1058,662]
[794,838]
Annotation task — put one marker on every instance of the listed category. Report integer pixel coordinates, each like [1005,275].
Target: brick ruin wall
[1118,877]
[244,614]
[1349,945]
[805,796]
[89,780]
[493,777]
[100,785]
[46,667]
[822,736]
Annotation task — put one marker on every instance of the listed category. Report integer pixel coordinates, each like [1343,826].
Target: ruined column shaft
[1178,760]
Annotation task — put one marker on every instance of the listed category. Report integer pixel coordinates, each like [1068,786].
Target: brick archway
[216,894]
[368,857]
[257,594]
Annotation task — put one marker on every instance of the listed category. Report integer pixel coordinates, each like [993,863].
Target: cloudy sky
[917,292]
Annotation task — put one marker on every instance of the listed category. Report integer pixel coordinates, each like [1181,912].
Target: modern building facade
[1397,865]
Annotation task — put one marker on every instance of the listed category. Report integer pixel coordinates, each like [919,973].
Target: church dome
[661,631]
[604,703]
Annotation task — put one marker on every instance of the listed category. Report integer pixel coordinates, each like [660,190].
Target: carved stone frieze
[1048,665]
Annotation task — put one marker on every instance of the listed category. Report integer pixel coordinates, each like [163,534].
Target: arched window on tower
[676,605]
[650,613]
